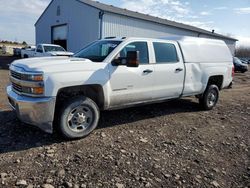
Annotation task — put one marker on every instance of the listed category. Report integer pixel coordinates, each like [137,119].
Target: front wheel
[78,118]
[210,97]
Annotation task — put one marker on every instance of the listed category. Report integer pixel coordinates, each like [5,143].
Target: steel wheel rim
[80,118]
[212,98]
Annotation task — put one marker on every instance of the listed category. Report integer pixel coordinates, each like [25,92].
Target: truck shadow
[16,136]
[134,114]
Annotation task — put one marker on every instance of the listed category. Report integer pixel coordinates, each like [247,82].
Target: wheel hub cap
[212,98]
[80,118]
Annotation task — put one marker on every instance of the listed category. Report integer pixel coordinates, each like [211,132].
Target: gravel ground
[172,144]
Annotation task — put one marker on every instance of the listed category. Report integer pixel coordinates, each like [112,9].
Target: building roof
[137,15]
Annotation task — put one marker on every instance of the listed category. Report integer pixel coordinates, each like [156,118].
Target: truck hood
[58,64]
[60,53]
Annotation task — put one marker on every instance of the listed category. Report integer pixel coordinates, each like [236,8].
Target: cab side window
[142,47]
[165,53]
[39,49]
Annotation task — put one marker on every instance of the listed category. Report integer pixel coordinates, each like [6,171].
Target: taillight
[233,71]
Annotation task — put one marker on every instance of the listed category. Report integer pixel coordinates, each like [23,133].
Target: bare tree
[242,51]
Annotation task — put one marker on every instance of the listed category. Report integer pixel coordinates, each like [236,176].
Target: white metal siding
[124,26]
[82,22]
[118,25]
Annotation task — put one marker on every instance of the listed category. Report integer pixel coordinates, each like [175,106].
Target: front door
[131,85]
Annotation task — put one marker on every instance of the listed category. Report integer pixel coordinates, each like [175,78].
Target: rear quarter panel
[198,74]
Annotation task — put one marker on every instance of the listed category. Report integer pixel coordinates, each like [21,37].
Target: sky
[227,17]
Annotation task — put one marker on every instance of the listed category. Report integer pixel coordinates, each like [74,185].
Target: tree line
[11,42]
[242,51]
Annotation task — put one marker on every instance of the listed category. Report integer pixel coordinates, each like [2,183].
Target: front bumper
[34,111]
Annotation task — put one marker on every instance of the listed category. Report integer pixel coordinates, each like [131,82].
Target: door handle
[147,71]
[178,69]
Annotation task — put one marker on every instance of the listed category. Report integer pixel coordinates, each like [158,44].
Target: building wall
[84,25]
[122,26]
[118,25]
[82,22]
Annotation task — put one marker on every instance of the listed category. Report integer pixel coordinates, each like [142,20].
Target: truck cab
[114,73]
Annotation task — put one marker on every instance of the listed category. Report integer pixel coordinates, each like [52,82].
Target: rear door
[169,70]
[131,85]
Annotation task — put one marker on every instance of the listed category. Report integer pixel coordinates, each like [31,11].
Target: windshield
[53,49]
[98,50]
[237,61]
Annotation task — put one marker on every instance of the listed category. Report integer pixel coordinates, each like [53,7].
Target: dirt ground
[172,144]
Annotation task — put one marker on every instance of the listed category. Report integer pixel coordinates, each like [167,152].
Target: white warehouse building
[75,23]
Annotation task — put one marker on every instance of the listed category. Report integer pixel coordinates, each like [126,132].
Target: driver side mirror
[133,59]
[119,61]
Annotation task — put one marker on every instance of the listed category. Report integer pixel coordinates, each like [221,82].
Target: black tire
[25,56]
[210,97]
[82,105]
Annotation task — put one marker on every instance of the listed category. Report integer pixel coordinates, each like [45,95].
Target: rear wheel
[210,97]
[78,118]
[25,56]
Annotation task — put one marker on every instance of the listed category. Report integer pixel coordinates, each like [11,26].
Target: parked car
[68,93]
[25,49]
[245,60]
[28,52]
[239,66]
[44,50]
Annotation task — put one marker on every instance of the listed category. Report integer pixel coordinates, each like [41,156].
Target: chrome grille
[16,75]
[22,83]
[17,87]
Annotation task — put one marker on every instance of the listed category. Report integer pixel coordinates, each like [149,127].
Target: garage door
[59,35]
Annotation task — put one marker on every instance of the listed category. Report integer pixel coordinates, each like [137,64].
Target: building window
[58,11]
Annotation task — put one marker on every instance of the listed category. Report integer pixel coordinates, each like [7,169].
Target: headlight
[26,83]
[32,77]
[37,90]
[33,90]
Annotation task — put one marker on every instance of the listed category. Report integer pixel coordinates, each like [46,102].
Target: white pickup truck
[67,93]
[45,50]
